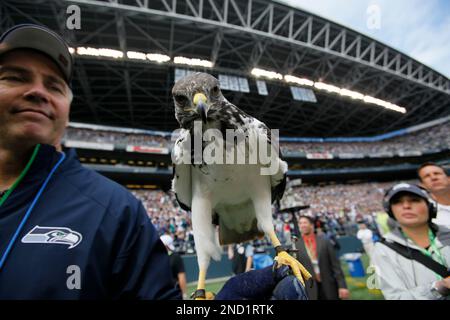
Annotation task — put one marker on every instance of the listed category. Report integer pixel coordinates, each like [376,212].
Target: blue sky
[418,28]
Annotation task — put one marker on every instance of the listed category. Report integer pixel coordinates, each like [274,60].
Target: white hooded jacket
[400,278]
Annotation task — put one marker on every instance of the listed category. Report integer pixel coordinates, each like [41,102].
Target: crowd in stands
[168,217]
[336,199]
[115,137]
[432,138]
[336,209]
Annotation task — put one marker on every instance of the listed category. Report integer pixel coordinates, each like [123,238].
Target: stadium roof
[236,36]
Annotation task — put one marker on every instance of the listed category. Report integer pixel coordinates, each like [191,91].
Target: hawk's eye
[215,90]
[180,99]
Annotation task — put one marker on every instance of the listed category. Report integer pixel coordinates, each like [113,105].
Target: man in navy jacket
[66,232]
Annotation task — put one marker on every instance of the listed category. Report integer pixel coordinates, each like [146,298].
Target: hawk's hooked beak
[200,102]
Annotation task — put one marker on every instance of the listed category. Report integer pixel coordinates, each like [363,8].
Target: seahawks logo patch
[53,235]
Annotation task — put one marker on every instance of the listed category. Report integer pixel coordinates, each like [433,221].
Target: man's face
[434,178]
[305,226]
[409,210]
[34,99]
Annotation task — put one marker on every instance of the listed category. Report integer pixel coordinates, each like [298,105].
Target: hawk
[231,196]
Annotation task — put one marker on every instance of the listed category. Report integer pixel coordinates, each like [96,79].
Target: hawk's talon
[300,272]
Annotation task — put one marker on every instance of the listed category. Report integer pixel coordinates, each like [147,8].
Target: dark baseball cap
[32,36]
[406,188]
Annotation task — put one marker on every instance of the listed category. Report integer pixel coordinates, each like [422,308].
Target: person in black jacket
[318,256]
[176,264]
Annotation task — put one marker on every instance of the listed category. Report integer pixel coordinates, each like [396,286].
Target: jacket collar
[443,237]
[46,158]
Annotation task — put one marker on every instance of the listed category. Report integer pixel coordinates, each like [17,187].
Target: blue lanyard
[27,214]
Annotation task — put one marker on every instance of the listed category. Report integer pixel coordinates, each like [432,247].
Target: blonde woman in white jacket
[401,276]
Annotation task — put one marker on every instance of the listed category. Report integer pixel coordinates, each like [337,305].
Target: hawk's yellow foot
[200,293]
[210,295]
[300,272]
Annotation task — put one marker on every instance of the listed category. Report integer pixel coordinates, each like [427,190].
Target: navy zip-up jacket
[86,238]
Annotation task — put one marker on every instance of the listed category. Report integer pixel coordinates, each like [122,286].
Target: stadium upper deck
[338,72]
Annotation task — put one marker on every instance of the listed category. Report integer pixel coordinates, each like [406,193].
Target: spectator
[49,201]
[366,236]
[412,263]
[434,178]
[176,265]
[317,254]
[241,256]
[261,258]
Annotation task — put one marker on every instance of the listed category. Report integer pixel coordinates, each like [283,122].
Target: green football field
[357,286]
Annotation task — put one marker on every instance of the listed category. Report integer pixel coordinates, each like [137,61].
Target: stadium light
[384,104]
[327,87]
[394,107]
[193,62]
[351,94]
[156,57]
[370,99]
[267,74]
[334,89]
[297,80]
[100,52]
[136,55]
